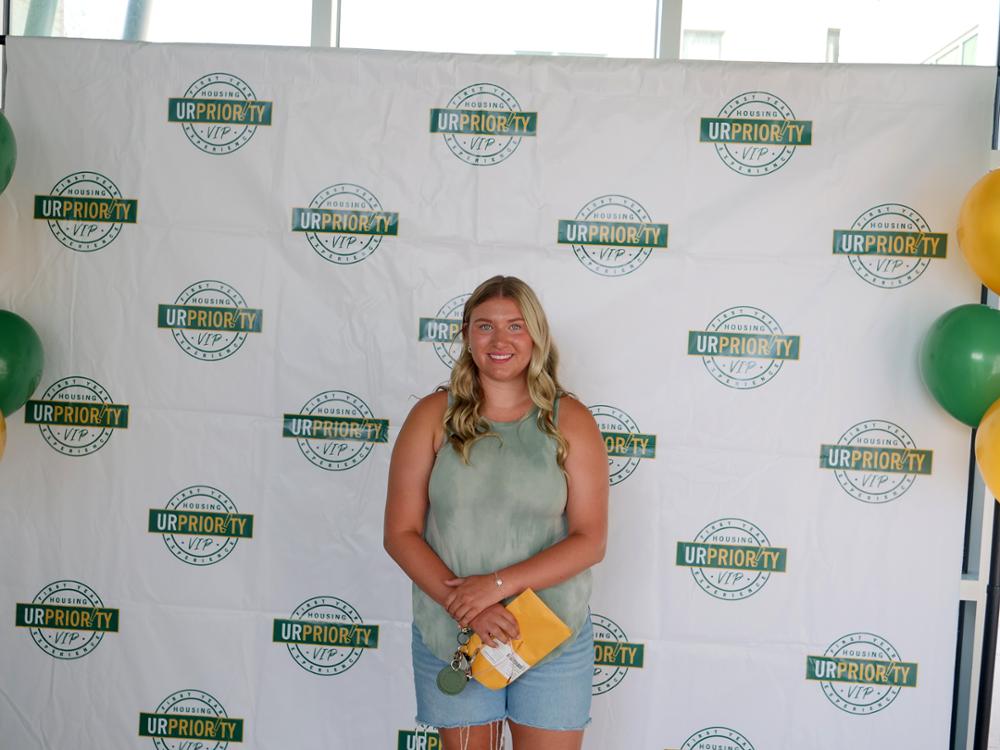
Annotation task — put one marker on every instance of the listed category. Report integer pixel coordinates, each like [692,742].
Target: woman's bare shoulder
[575,418]
[435,402]
[571,409]
[427,417]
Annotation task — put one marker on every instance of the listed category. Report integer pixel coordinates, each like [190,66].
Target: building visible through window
[961,51]
[701,45]
[833,45]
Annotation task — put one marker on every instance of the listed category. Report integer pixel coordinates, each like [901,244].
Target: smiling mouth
[500,357]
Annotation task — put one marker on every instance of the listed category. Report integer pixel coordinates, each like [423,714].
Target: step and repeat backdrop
[247,264]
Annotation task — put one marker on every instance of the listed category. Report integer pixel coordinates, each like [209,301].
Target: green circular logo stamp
[717,738]
[612,235]
[76,416]
[190,719]
[613,654]
[483,124]
[625,443]
[85,211]
[344,223]
[743,347]
[219,115]
[335,430]
[876,461]
[210,320]
[325,635]
[61,619]
[891,245]
[444,330]
[731,559]
[756,133]
[200,525]
[861,673]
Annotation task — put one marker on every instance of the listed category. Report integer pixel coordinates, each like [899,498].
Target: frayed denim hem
[550,729]
[463,726]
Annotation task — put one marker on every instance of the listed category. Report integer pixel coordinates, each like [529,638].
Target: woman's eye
[515,326]
[484,326]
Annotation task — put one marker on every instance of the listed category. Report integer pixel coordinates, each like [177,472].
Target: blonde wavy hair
[463,423]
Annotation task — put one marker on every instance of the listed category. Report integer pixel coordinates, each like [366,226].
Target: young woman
[497,485]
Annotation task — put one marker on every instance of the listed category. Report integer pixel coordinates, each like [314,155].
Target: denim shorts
[553,695]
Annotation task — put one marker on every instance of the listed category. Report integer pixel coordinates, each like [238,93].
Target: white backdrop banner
[246,264]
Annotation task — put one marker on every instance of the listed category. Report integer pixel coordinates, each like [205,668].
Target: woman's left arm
[586,518]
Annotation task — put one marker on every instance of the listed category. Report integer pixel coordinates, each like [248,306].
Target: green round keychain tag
[450,681]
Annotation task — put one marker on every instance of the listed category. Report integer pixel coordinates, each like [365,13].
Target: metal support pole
[322,20]
[986,674]
[3,52]
[336,40]
[136,20]
[984,703]
[668,29]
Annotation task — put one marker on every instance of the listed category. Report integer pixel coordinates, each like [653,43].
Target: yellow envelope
[541,631]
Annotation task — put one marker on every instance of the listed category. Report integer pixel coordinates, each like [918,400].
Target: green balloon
[8,152]
[21,360]
[960,361]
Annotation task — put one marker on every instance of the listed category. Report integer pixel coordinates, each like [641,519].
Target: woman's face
[500,342]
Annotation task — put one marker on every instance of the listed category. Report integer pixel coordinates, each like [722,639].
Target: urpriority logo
[890,245]
[325,635]
[614,655]
[67,619]
[421,738]
[755,133]
[210,320]
[626,444]
[483,124]
[188,719]
[200,525]
[335,430]
[861,673]
[717,738]
[76,416]
[86,211]
[731,558]
[345,223]
[443,330]
[219,113]
[743,347]
[876,461]
[612,235]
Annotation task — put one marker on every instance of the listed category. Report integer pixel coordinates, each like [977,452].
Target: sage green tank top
[507,504]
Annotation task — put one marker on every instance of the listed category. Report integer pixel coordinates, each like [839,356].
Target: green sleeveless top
[507,504]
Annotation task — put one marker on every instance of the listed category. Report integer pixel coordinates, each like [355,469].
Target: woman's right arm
[406,510]
[406,500]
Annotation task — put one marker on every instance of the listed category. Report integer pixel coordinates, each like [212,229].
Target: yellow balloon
[3,434]
[979,229]
[988,448]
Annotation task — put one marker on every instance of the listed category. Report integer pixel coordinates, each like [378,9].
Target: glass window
[614,28]
[951,57]
[961,51]
[216,21]
[888,31]
[230,22]
[76,18]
